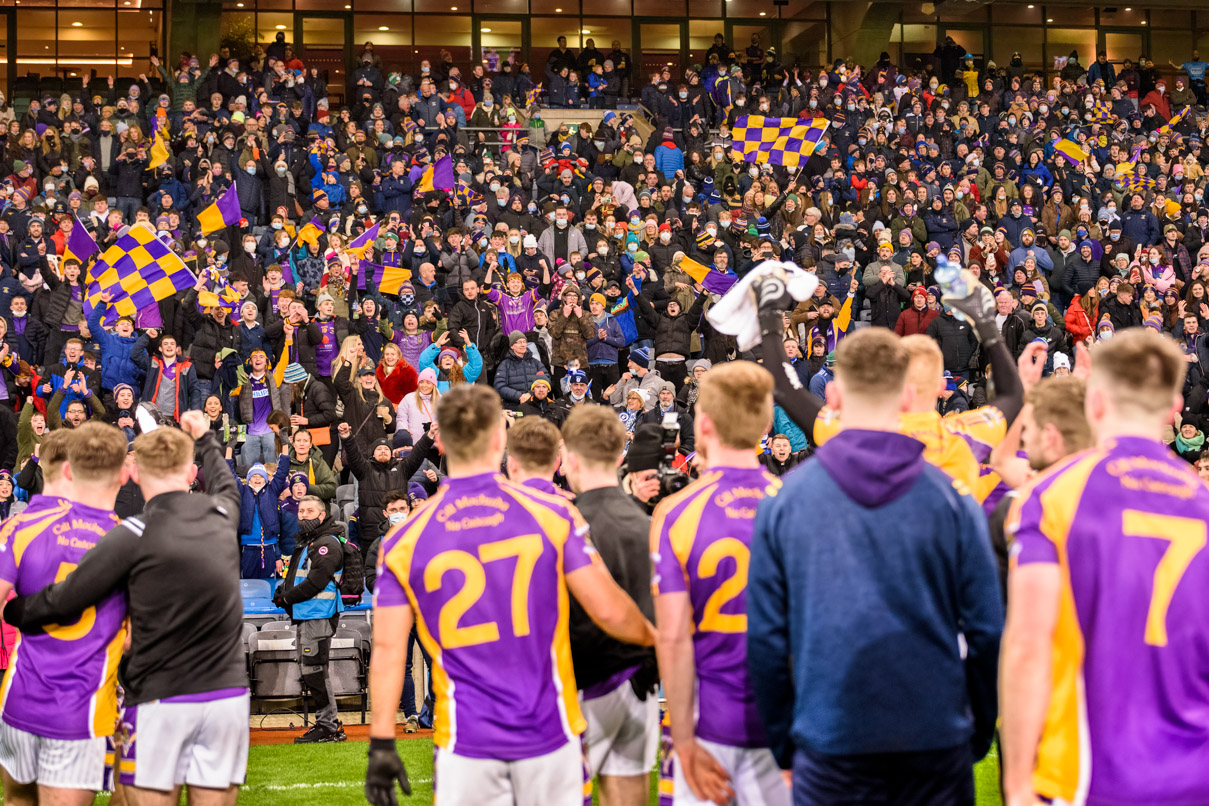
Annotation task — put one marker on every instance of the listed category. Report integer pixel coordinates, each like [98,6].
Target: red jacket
[911,322]
[403,381]
[1078,324]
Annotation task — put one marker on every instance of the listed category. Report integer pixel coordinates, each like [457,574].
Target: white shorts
[58,763]
[195,742]
[623,732]
[754,776]
[555,779]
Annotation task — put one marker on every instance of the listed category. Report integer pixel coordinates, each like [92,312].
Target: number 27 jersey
[1128,718]
[483,566]
[62,683]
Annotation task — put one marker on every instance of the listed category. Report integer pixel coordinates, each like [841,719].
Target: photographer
[652,468]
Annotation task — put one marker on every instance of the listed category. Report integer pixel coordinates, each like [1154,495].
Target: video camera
[671,479]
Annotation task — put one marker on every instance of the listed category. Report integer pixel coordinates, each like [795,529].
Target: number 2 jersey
[483,566]
[701,545]
[1128,718]
[61,684]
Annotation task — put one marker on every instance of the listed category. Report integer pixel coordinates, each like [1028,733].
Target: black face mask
[309,524]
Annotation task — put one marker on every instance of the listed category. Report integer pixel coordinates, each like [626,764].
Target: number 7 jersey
[701,545]
[1128,718]
[483,566]
[61,683]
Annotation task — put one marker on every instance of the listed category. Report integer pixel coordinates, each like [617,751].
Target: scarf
[1189,445]
[628,418]
[169,370]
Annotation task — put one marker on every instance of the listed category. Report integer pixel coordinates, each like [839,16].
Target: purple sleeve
[1028,541]
[8,561]
[667,574]
[388,590]
[578,550]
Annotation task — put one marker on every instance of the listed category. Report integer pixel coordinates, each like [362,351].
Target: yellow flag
[159,149]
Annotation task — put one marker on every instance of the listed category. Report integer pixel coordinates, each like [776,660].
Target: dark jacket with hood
[935,564]
[324,564]
[376,479]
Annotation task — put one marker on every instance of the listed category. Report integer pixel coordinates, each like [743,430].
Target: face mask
[579,275]
[276,225]
[713,233]
[603,251]
[763,107]
[560,222]
[589,226]
[1116,236]
[251,170]
[397,518]
[740,102]
[599,144]
[201,243]
[362,209]
[309,524]
[814,104]
[753,172]
[550,216]
[632,248]
[221,259]
[1154,261]
[514,239]
[665,236]
[283,243]
[495,186]
[683,94]
[250,248]
[718,155]
[1043,109]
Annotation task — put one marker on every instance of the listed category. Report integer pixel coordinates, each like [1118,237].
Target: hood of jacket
[873,468]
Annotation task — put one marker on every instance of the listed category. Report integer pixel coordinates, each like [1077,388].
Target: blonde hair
[873,363]
[925,365]
[595,435]
[534,443]
[96,453]
[468,416]
[52,453]
[737,396]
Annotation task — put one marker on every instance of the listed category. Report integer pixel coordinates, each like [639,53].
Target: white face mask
[249,248]
[514,239]
[665,236]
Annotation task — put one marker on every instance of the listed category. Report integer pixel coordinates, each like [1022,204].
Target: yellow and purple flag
[386,278]
[224,212]
[80,246]
[780,141]
[1170,125]
[532,96]
[363,241]
[438,176]
[1070,151]
[138,270]
[712,280]
[159,152]
[311,232]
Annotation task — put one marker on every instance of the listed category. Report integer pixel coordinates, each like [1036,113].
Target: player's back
[61,683]
[958,445]
[483,564]
[701,544]
[1128,720]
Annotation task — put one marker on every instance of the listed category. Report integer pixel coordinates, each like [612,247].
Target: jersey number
[712,618]
[526,550]
[1187,537]
[71,632]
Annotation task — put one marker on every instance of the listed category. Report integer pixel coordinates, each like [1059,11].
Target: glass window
[554,6]
[659,8]
[616,8]
[88,39]
[1026,40]
[1015,14]
[804,10]
[919,41]
[437,37]
[397,6]
[501,6]
[1170,18]
[804,43]
[272,5]
[237,31]
[1122,45]
[701,39]
[1177,46]
[392,46]
[138,32]
[36,44]
[962,12]
[741,36]
[705,8]
[543,36]
[659,49]
[267,26]
[1118,16]
[1061,42]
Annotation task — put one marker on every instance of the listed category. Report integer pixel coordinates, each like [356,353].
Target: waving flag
[714,281]
[363,241]
[159,149]
[138,270]
[1134,182]
[467,195]
[780,141]
[222,295]
[1101,112]
[310,233]
[224,212]
[1070,151]
[1175,121]
[80,246]
[386,278]
[532,96]
[438,176]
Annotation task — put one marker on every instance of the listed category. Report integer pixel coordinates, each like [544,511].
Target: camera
[671,479]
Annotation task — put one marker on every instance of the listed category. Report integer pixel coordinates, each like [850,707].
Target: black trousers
[926,778]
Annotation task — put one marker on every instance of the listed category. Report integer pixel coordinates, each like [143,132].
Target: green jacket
[324,484]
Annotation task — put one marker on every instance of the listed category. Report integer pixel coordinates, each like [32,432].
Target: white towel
[736,314]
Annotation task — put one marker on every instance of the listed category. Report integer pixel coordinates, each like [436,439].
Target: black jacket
[673,334]
[209,338]
[324,565]
[182,584]
[621,534]
[376,479]
[956,339]
[477,318]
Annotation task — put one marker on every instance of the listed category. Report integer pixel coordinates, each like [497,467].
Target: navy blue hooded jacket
[866,569]
[270,522]
[116,364]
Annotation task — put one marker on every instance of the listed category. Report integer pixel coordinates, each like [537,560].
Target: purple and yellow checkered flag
[138,270]
[1134,182]
[781,141]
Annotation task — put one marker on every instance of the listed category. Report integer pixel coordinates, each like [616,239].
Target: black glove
[978,307]
[772,294]
[385,767]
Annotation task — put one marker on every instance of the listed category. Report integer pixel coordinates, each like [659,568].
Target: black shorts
[927,778]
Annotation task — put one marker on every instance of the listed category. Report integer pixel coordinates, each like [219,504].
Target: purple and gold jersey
[1128,719]
[61,684]
[701,544]
[958,445]
[483,566]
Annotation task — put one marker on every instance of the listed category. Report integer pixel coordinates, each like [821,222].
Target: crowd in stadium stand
[559,266]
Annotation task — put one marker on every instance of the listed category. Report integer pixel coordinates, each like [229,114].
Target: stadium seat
[274,665]
[359,626]
[347,666]
[256,589]
[277,625]
[344,494]
[247,631]
[350,509]
[260,611]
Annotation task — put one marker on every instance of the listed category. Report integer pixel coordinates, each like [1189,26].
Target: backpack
[352,580]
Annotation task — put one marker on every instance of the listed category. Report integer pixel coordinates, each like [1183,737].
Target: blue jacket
[899,567]
[470,370]
[818,384]
[116,364]
[605,350]
[668,160]
[265,501]
[1140,226]
[253,338]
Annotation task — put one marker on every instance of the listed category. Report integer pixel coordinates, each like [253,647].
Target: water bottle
[950,278]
